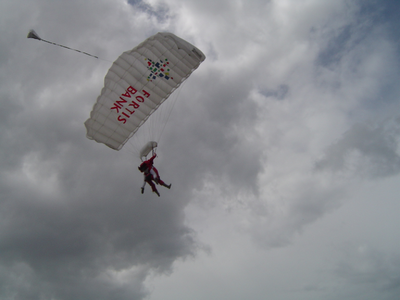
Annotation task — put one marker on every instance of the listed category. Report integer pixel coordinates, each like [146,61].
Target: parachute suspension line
[154,128]
[169,113]
[33,35]
[169,109]
[70,48]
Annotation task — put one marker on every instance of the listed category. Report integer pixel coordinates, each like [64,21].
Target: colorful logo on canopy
[158,69]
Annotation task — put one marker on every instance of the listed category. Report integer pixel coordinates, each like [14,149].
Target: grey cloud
[310,203]
[279,93]
[80,238]
[220,138]
[73,224]
[376,272]
[364,151]
[72,218]
[335,49]
[343,38]
[161,12]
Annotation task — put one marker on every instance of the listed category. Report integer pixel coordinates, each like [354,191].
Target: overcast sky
[283,150]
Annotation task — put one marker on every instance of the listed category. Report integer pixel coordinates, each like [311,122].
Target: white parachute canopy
[137,83]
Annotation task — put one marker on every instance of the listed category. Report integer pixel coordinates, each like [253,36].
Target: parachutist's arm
[152,158]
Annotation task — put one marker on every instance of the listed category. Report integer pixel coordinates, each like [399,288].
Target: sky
[283,150]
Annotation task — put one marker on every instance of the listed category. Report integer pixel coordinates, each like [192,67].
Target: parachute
[135,86]
[150,146]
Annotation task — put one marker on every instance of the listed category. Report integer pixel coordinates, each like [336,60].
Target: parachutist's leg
[163,183]
[155,172]
[151,183]
[155,175]
[142,188]
[153,187]
[168,186]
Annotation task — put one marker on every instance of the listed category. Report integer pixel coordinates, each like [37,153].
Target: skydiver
[151,174]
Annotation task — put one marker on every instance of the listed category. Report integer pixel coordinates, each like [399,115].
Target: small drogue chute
[135,86]
[146,149]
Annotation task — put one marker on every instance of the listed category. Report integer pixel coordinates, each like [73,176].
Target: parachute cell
[137,83]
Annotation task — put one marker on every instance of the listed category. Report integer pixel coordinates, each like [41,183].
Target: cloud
[73,222]
[365,151]
[377,272]
[291,95]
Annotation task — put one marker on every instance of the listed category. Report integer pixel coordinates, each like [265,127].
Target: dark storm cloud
[73,222]
[91,226]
